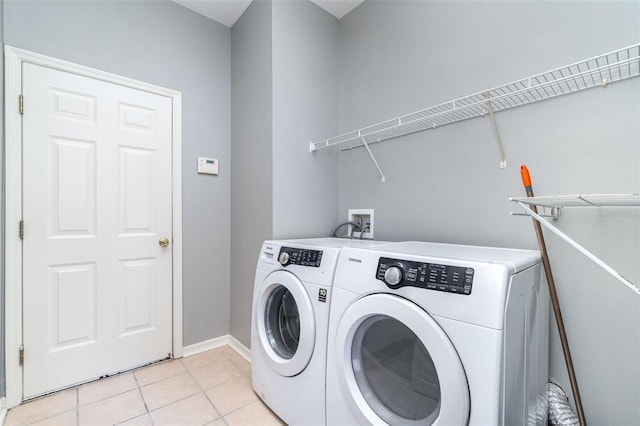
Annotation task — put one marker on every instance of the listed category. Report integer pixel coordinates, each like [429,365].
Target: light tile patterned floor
[210,388]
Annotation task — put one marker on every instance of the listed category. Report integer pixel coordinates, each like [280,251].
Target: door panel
[73,195]
[72,305]
[135,184]
[96,201]
[137,295]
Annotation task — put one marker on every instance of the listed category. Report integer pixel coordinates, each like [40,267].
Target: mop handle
[526,180]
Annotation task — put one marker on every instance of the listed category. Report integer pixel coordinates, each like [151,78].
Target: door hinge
[21,355]
[21,104]
[21,229]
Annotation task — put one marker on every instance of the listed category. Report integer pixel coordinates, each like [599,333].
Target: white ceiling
[227,12]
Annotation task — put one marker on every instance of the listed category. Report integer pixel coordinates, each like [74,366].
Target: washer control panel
[396,273]
[298,256]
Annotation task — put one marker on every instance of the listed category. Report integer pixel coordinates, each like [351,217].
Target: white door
[97,285]
[397,366]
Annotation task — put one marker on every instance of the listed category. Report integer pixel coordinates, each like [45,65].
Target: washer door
[285,323]
[397,366]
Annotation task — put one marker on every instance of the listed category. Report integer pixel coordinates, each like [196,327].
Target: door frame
[14,58]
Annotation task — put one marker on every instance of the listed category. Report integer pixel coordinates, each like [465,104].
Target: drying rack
[598,71]
[555,203]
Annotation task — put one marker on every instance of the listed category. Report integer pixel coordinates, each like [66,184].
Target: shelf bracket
[494,127]
[375,163]
[578,247]
[550,212]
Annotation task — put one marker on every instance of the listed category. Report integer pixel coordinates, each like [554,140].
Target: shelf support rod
[494,127]
[578,247]
[375,163]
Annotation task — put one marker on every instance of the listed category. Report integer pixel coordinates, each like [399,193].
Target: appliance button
[393,275]
[284,258]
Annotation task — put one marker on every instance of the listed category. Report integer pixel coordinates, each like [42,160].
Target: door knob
[164,242]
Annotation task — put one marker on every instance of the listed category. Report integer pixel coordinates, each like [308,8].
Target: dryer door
[398,366]
[285,323]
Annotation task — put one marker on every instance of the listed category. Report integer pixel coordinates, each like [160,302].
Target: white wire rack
[597,71]
[597,200]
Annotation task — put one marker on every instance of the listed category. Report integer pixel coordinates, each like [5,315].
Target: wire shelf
[594,200]
[597,71]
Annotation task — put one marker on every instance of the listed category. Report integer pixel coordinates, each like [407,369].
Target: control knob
[284,258]
[393,275]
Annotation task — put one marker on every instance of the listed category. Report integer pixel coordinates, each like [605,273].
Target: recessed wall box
[364,219]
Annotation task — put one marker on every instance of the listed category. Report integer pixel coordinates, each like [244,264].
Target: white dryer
[425,333]
[290,319]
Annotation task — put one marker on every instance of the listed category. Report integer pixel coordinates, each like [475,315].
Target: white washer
[290,318]
[425,333]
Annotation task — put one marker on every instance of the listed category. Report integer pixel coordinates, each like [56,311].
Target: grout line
[133,418]
[203,391]
[77,406]
[40,398]
[212,404]
[173,402]
[157,364]
[141,394]
[147,412]
[177,400]
[228,353]
[118,392]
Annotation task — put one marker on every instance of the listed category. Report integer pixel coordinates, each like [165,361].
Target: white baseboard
[217,342]
[206,345]
[3,410]
[242,350]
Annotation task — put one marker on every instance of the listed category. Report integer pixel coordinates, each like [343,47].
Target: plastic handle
[526,178]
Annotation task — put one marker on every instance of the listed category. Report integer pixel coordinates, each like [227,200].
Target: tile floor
[210,388]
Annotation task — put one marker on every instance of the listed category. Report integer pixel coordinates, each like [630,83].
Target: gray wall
[165,44]
[445,184]
[251,154]
[305,82]
[284,94]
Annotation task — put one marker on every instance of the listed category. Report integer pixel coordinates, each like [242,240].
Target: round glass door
[286,324]
[397,366]
[392,366]
[282,322]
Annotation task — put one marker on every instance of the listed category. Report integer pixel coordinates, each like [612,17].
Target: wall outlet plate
[363,217]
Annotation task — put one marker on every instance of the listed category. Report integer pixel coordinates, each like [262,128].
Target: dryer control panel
[396,273]
[298,256]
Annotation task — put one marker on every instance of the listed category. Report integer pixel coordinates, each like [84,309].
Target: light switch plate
[208,166]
